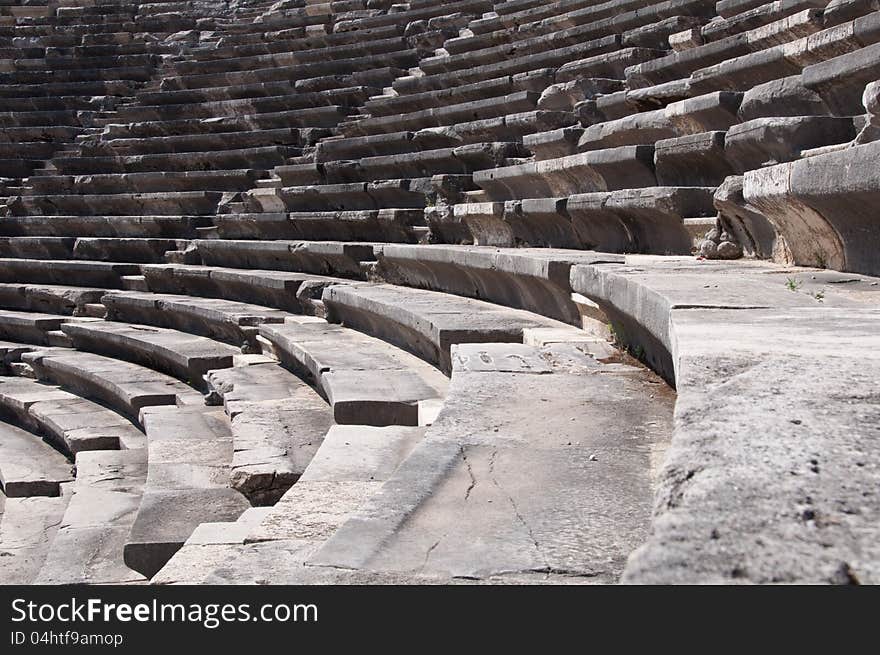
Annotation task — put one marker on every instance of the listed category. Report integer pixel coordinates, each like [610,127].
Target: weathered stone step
[167,203]
[186,357]
[521,101]
[363,48]
[52,75]
[426,323]
[512,474]
[288,291]
[408,193]
[401,59]
[815,196]
[205,142]
[224,320]
[29,466]
[147,182]
[278,423]
[189,454]
[236,158]
[87,273]
[349,467]
[788,58]
[166,227]
[255,114]
[121,385]
[317,257]
[596,170]
[98,248]
[27,529]
[71,423]
[365,380]
[87,548]
[390,225]
[30,327]
[305,42]
[79,89]
[534,279]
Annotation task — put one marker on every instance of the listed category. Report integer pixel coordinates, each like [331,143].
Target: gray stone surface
[365,380]
[486,468]
[769,474]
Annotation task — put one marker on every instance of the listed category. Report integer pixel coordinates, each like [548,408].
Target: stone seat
[122,386]
[399,59]
[758,142]
[788,58]
[391,225]
[521,101]
[224,320]
[59,102]
[170,203]
[53,75]
[293,44]
[55,133]
[365,380]
[29,466]
[579,35]
[185,356]
[146,182]
[815,195]
[289,291]
[420,13]
[522,523]
[30,119]
[692,159]
[841,80]
[196,128]
[31,327]
[611,66]
[87,273]
[409,193]
[168,227]
[404,103]
[257,115]
[596,170]
[70,423]
[201,142]
[278,423]
[712,111]
[363,48]
[749,19]
[426,323]
[523,64]
[80,89]
[458,160]
[242,158]
[87,548]
[534,279]
[628,220]
[189,454]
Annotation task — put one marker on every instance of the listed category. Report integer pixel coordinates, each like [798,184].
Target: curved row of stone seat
[71,423]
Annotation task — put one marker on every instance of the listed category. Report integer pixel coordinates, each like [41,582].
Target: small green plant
[793,284]
[821,260]
[818,295]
